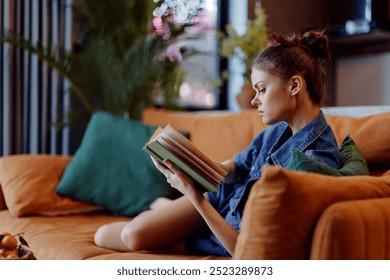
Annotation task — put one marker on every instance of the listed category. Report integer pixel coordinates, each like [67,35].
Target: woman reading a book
[288,78]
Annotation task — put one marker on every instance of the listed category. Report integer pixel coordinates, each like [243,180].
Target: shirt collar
[280,152]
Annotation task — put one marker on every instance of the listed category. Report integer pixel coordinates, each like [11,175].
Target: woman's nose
[255,101]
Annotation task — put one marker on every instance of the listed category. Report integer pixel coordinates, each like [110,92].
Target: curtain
[33,96]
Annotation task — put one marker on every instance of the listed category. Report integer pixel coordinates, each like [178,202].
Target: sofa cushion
[29,182]
[110,168]
[218,134]
[368,134]
[71,237]
[283,209]
[352,162]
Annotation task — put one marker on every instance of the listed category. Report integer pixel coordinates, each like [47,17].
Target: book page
[179,149]
[159,152]
[177,136]
[189,161]
[155,134]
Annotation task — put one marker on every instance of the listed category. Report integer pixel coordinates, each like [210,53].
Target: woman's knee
[108,236]
[102,235]
[135,235]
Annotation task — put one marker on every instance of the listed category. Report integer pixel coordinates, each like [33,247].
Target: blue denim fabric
[271,147]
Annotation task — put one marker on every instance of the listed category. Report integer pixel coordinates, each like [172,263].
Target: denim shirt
[316,140]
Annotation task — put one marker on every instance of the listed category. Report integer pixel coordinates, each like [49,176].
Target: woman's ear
[296,84]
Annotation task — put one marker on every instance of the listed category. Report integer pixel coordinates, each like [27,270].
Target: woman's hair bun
[302,54]
[317,42]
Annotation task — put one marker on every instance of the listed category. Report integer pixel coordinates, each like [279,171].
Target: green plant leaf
[121,66]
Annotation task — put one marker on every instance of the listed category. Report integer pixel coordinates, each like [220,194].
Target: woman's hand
[177,178]
[180,181]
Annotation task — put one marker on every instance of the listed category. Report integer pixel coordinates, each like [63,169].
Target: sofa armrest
[284,207]
[358,229]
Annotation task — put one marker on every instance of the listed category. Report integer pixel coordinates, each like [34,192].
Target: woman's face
[272,99]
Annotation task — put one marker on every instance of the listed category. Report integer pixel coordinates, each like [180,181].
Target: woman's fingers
[172,174]
[171,166]
[162,168]
[175,177]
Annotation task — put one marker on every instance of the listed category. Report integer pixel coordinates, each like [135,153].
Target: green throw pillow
[110,168]
[351,161]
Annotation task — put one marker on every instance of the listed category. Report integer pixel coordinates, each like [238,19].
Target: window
[199,40]
[203,88]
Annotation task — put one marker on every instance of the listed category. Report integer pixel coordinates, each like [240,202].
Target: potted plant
[123,61]
[246,47]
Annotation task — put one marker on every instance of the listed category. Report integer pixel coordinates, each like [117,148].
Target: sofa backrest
[213,131]
[370,133]
[217,134]
[356,111]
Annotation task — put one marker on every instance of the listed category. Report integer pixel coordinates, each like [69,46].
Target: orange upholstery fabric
[354,230]
[209,130]
[218,134]
[371,134]
[284,207]
[288,215]
[70,237]
[29,181]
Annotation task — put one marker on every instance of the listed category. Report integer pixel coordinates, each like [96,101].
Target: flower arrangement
[248,45]
[176,22]
[180,23]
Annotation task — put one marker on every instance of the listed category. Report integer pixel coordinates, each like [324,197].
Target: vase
[245,96]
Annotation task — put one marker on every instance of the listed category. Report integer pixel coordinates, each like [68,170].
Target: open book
[168,143]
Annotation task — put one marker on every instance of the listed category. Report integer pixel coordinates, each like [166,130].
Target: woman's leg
[159,229]
[163,227]
[160,202]
[109,236]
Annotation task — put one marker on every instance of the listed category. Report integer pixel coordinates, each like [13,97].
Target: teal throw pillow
[352,162]
[110,168]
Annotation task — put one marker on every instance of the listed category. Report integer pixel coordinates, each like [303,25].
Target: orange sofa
[289,215]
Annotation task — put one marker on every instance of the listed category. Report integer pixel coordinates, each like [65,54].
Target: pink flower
[204,22]
[160,28]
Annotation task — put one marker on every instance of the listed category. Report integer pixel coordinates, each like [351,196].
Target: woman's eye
[261,91]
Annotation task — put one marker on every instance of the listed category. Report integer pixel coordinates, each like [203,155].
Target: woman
[288,78]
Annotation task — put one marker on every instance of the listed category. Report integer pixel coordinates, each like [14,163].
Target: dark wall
[288,16]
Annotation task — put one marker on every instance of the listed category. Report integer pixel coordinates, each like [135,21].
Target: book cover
[168,143]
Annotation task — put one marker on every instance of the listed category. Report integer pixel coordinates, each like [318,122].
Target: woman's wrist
[197,198]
